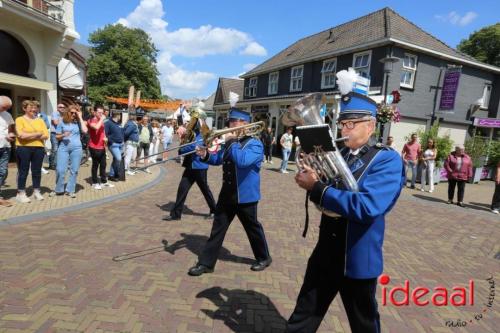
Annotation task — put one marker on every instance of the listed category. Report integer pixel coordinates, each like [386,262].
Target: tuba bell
[330,166]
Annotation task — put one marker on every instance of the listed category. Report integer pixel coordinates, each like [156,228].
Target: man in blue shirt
[54,121]
[348,256]
[114,133]
[241,161]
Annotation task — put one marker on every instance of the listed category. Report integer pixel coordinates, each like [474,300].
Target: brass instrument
[252,129]
[330,166]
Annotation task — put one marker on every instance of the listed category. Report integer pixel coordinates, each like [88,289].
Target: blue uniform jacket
[195,161]
[131,131]
[379,188]
[247,159]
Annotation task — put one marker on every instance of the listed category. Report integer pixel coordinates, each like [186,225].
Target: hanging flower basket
[387,113]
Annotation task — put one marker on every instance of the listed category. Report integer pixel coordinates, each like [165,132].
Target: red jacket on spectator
[465,171]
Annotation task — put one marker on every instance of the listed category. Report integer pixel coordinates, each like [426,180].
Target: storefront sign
[450,87]
[487,122]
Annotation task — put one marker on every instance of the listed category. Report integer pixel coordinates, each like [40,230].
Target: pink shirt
[411,151]
[96,136]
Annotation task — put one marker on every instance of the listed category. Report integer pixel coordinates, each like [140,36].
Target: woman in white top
[155,145]
[428,159]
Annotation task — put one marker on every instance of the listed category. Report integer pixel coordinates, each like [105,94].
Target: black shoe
[170,218]
[209,216]
[199,269]
[261,265]
[412,187]
[114,179]
[461,204]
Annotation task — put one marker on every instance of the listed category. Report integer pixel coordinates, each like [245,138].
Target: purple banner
[450,87]
[487,122]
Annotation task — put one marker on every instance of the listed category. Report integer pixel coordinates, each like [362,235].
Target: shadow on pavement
[470,205]
[186,211]
[195,244]
[424,197]
[243,310]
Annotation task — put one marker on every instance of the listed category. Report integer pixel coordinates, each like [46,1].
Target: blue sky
[202,40]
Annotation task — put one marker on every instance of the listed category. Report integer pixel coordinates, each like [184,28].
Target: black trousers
[325,278]
[98,162]
[224,215]
[495,202]
[451,189]
[189,177]
[268,150]
[26,157]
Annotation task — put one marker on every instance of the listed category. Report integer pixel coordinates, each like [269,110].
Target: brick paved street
[57,273]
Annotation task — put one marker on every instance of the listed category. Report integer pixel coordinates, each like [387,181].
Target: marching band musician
[241,159]
[348,256]
[195,171]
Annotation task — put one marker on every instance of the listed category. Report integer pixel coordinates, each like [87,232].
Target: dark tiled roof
[226,85]
[376,27]
[209,102]
[82,50]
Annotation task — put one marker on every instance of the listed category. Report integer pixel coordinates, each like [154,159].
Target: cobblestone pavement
[58,273]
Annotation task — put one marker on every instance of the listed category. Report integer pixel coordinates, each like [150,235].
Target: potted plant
[476,148]
[444,145]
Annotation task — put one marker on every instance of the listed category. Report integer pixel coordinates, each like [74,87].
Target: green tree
[122,57]
[484,45]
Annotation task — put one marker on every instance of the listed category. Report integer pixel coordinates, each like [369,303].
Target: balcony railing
[51,8]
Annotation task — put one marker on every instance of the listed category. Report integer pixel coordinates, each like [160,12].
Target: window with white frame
[272,88]
[296,78]
[361,63]
[408,71]
[251,90]
[328,73]
[486,96]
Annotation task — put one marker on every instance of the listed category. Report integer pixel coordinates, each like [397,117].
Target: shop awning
[69,75]
[22,81]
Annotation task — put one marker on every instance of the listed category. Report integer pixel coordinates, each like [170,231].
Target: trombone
[252,129]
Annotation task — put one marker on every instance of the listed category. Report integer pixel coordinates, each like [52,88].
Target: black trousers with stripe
[325,278]
[224,215]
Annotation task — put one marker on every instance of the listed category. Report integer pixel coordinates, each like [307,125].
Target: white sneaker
[284,171]
[422,189]
[97,186]
[108,185]
[72,195]
[130,173]
[90,158]
[22,197]
[147,170]
[45,171]
[37,195]
[270,162]
[495,211]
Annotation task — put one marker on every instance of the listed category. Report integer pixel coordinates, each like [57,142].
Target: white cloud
[187,42]
[254,49]
[454,18]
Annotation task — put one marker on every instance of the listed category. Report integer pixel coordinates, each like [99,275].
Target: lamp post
[388,62]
